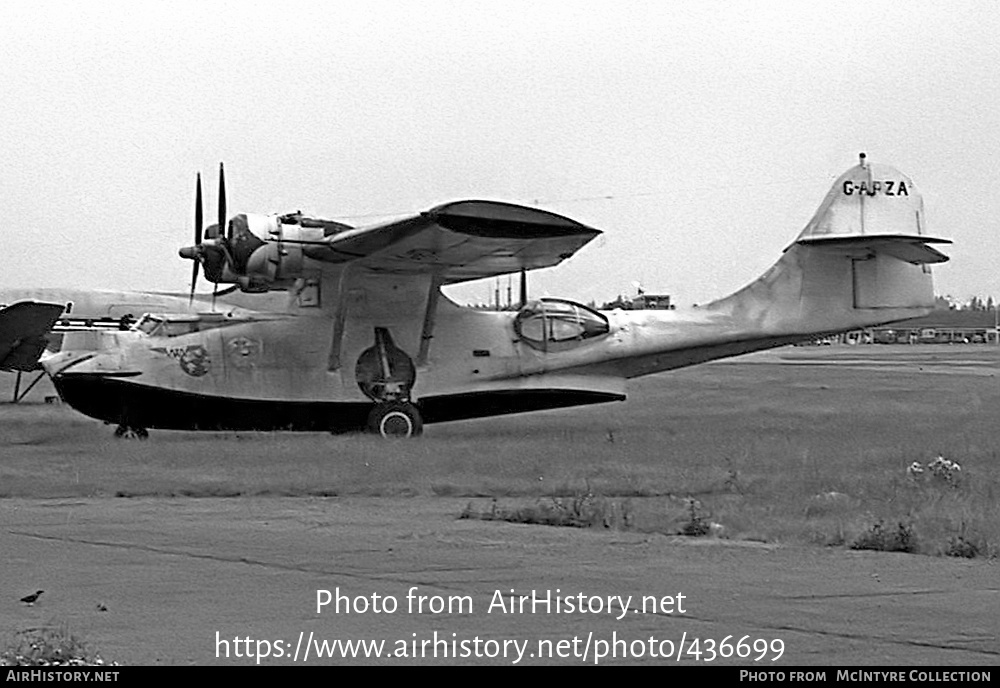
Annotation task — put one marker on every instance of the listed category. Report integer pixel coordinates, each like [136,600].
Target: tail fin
[862,260]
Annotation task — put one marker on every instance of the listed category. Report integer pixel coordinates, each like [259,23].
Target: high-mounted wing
[23,327]
[459,241]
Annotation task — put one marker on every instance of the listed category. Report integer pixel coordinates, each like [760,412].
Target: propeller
[197,236]
[524,288]
[211,253]
[223,250]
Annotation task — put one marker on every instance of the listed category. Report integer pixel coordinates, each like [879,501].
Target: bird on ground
[32,598]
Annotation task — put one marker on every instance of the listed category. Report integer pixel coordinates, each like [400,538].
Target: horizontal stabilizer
[23,327]
[906,247]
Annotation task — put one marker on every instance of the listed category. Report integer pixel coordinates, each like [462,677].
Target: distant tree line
[976,303]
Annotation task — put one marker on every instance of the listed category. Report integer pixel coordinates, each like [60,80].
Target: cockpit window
[557,325]
[177,328]
[156,326]
[148,325]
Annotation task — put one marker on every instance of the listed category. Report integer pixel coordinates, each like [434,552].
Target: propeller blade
[524,288]
[194,282]
[198,220]
[222,202]
[197,236]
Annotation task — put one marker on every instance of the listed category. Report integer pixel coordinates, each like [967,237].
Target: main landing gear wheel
[127,432]
[395,419]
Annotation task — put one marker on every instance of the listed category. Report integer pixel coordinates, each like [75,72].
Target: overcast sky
[699,136]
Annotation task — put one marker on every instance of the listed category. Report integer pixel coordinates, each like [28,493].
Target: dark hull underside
[118,401]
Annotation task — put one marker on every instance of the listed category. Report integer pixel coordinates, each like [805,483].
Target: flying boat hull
[370,341]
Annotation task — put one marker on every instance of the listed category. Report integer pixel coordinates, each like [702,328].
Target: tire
[395,419]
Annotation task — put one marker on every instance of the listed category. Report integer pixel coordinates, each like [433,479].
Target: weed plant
[50,647]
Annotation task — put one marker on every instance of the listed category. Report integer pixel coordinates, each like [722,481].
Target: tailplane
[862,260]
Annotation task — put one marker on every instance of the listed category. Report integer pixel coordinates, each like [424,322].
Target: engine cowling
[256,252]
[278,259]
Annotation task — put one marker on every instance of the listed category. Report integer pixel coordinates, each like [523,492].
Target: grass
[783,448]
[51,646]
[898,538]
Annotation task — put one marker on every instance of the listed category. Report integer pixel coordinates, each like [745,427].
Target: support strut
[18,394]
[427,333]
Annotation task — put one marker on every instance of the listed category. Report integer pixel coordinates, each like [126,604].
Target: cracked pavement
[173,572]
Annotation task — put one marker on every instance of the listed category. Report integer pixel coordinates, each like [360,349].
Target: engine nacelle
[258,252]
[279,260]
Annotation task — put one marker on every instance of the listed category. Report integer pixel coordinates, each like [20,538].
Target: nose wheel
[394,419]
[127,432]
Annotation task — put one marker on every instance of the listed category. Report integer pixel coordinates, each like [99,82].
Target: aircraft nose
[57,363]
[189,252]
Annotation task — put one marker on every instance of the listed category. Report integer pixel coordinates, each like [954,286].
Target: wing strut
[433,293]
[339,317]
[18,394]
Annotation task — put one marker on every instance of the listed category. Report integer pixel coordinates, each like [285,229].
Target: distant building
[649,302]
[940,327]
